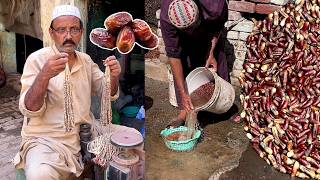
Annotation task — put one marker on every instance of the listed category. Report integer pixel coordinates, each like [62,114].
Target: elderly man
[48,150]
[191,31]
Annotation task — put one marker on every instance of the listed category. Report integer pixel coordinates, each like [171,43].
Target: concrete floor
[224,151]
[10,128]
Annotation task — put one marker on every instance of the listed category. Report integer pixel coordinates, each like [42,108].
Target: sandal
[176,122]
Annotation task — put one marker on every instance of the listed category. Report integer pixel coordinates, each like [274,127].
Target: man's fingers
[191,105]
[59,55]
[112,62]
[110,58]
[207,64]
[60,61]
[63,54]
[115,72]
[109,61]
[188,109]
[114,66]
[60,67]
[213,68]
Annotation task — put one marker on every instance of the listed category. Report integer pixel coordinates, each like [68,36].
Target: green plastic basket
[184,145]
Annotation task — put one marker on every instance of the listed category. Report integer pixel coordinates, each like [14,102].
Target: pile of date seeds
[280,89]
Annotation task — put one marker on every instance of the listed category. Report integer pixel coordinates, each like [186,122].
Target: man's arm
[177,71]
[173,49]
[34,97]
[211,60]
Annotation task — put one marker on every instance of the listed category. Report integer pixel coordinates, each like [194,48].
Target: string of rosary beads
[101,146]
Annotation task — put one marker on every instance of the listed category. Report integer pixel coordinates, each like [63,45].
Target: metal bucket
[223,94]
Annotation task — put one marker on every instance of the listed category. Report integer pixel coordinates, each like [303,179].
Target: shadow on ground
[205,118]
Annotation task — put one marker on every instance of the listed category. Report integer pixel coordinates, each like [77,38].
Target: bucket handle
[214,73]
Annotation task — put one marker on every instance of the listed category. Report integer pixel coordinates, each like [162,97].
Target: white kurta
[46,126]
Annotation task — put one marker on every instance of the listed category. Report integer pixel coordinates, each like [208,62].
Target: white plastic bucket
[172,92]
[223,94]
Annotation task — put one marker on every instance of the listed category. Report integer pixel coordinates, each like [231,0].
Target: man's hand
[113,63]
[177,72]
[211,61]
[54,65]
[186,103]
[115,70]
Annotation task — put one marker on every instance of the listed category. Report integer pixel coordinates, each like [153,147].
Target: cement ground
[10,128]
[224,151]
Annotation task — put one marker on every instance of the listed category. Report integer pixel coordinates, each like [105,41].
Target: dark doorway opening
[25,45]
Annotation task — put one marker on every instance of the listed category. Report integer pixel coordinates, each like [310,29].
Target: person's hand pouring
[186,103]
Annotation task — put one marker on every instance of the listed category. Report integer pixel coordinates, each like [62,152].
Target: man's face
[66,33]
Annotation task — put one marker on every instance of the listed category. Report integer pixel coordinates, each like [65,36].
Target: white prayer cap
[65,10]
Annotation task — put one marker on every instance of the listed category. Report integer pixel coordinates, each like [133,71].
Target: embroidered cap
[183,13]
[65,10]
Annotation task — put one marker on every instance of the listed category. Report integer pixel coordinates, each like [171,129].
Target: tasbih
[68,110]
[101,146]
[106,111]
[67,97]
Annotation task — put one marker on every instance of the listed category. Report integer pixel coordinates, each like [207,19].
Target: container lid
[126,139]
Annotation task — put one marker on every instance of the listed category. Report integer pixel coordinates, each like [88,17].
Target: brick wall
[256,6]
[236,37]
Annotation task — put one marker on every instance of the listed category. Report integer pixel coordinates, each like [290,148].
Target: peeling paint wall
[8,51]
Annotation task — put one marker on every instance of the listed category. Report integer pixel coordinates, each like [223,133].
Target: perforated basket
[185,145]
